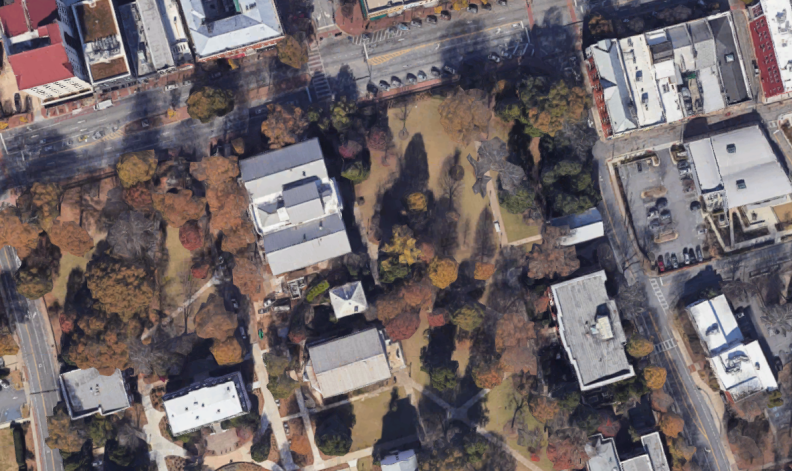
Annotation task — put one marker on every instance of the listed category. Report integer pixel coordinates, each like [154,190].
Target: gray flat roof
[348,363]
[307,244]
[602,454]
[591,331]
[653,445]
[88,392]
[277,161]
[731,72]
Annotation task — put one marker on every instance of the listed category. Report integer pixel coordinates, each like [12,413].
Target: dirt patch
[16,380]
[289,406]
[7,456]
[260,397]
[299,443]
[338,468]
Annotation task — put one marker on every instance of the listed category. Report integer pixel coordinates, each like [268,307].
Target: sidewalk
[160,446]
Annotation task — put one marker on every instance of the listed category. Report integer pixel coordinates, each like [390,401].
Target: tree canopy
[543,107]
[136,167]
[121,287]
[285,124]
[443,272]
[207,103]
[71,238]
[292,52]
[465,114]
[179,207]
[23,237]
[639,347]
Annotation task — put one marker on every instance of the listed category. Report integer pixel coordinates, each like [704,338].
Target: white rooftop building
[715,324]
[400,461]
[583,227]
[743,371]
[295,207]
[348,363]
[741,368]
[742,167]
[617,94]
[221,28]
[638,66]
[348,300]
[591,331]
[205,403]
[779,15]
[604,457]
[87,392]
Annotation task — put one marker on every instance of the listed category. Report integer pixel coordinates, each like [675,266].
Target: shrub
[671,424]
[358,172]
[655,377]
[260,449]
[468,317]
[639,347]
[443,272]
[775,400]
[317,290]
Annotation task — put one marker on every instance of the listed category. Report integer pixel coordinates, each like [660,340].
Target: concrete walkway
[213,281]
[308,429]
[160,446]
[271,413]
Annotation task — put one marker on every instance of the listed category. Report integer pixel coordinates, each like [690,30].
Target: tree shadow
[344,84]
[400,421]
[484,246]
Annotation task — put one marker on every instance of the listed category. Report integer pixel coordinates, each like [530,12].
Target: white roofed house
[591,331]
[202,404]
[348,363]
[741,368]
[295,207]
[400,461]
[348,299]
[604,457]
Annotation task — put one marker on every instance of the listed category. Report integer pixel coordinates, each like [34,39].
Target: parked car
[686,256]
[385,86]
[695,206]
[472,8]
[494,57]
[665,215]
[216,75]
[660,264]
[654,226]
[435,72]
[261,333]
[396,82]
[277,403]
[411,79]
[431,19]
[652,213]
[421,75]
[445,15]
[662,203]
[756,69]
[242,333]
[722,221]
[449,69]
[502,3]
[674,261]
[417,23]
[393,30]
[486,7]
[403,26]
[506,54]
[699,255]
[286,428]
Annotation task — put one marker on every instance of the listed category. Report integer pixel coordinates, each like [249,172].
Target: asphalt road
[467,36]
[37,354]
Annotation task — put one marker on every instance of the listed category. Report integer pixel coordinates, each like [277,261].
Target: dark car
[660,264]
[421,75]
[699,255]
[665,215]
[472,8]
[695,206]
[494,57]
[674,261]
[435,72]
[450,70]
[445,15]
[417,23]
[411,79]
[17,102]
[486,7]
[396,82]
[385,86]
[431,19]
[502,3]
[662,203]
[686,256]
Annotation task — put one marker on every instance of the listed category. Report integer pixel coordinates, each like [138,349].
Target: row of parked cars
[672,262]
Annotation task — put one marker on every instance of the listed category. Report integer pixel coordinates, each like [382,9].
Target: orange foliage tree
[443,272]
[71,238]
[23,237]
[544,409]
[285,124]
[178,208]
[487,376]
[671,424]
[121,286]
[655,377]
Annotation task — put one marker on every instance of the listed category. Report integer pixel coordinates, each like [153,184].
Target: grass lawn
[179,260]
[425,119]
[462,356]
[501,411]
[376,422]
[515,228]
[412,353]
[7,454]
[68,262]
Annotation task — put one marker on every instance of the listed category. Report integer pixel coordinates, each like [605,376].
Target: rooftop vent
[741,185]
[731,148]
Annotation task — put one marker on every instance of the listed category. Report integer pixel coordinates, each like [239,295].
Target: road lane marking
[377,60]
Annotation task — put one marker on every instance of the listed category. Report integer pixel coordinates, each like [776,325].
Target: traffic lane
[474,47]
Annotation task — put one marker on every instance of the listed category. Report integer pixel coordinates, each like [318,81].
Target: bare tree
[778,318]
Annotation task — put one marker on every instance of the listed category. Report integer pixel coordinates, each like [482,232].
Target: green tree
[468,317]
[391,270]
[340,113]
[444,377]
[292,52]
[357,172]
[260,449]
[475,450]
[33,282]
[100,429]
[282,386]
[518,202]
[334,437]
[206,103]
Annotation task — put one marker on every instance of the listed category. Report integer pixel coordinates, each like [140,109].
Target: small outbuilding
[348,299]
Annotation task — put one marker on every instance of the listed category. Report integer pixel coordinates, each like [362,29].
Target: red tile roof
[766,58]
[42,12]
[13,19]
[41,66]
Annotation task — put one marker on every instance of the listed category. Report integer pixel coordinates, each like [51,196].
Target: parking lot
[659,201]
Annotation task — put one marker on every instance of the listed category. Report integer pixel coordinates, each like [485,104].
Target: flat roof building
[348,299]
[715,324]
[741,167]
[295,207]
[348,363]
[210,401]
[775,16]
[231,28]
[591,331]
[376,9]
[604,457]
[87,392]
[583,227]
[400,461]
[149,49]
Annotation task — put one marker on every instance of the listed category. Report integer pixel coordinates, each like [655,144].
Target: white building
[400,461]
[348,300]
[741,368]
[583,227]
[604,457]
[226,28]
[211,401]
[87,392]
[738,170]
[295,207]
[591,331]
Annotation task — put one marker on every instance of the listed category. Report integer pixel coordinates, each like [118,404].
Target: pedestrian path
[377,36]
[659,293]
[665,346]
[319,83]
